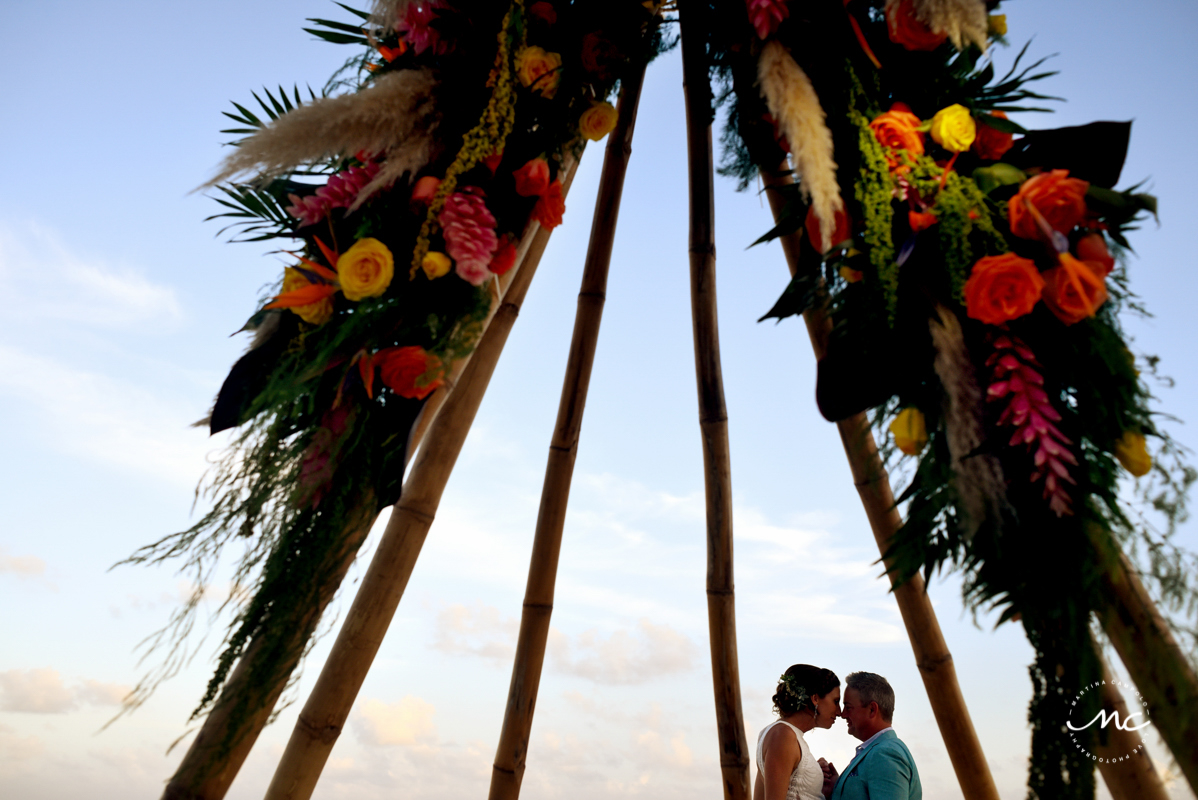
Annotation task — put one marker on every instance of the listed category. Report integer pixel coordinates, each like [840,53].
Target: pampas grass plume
[394,119]
[964,21]
[795,107]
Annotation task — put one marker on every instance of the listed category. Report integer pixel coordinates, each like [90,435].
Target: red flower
[767,15]
[532,179]
[921,220]
[543,12]
[409,371]
[492,161]
[599,56]
[1060,201]
[550,207]
[991,143]
[906,29]
[844,230]
[505,257]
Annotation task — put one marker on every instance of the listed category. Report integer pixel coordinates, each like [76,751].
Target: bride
[808,697]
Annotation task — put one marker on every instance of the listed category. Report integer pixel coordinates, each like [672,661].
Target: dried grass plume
[394,118]
[979,479]
[795,107]
[964,21]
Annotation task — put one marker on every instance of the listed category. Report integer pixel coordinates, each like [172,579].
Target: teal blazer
[884,770]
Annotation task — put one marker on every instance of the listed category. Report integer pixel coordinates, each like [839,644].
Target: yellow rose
[436,265]
[317,313]
[953,128]
[365,270]
[538,70]
[1132,452]
[910,431]
[997,25]
[597,121]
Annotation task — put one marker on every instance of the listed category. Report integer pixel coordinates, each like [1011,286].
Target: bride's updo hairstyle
[798,684]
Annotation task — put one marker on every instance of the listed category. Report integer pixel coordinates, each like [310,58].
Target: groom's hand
[830,777]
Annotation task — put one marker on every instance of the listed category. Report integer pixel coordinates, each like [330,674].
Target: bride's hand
[830,777]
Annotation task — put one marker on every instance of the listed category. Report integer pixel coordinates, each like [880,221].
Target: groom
[883,768]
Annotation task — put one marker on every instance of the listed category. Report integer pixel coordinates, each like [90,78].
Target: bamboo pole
[323,716]
[713,414]
[932,655]
[508,770]
[1153,658]
[207,771]
[1124,764]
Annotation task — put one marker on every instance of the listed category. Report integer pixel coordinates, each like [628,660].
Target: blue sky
[116,335]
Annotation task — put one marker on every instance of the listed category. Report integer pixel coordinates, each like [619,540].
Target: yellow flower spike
[1132,452]
[953,128]
[910,431]
[436,265]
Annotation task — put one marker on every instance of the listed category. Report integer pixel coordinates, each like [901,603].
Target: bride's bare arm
[781,754]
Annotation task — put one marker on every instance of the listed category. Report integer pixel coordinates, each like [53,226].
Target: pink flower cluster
[767,15]
[340,192]
[316,470]
[469,230]
[417,29]
[1032,416]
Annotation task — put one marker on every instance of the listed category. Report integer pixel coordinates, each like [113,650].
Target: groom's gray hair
[873,688]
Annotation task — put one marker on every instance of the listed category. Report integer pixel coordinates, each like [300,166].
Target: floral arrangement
[974,273]
[407,187]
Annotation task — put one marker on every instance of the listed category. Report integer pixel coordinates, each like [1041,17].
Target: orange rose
[1002,288]
[1072,290]
[906,29]
[992,144]
[897,129]
[409,371]
[1056,197]
[1092,249]
[844,229]
[550,207]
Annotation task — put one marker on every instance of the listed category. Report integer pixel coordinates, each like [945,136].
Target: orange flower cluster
[1002,288]
[842,232]
[992,144]
[532,180]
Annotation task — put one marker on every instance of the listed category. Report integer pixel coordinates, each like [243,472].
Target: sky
[116,334]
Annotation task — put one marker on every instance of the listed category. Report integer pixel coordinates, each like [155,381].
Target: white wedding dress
[807,781]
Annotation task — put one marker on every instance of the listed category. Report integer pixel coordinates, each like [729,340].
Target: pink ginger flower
[340,192]
[469,230]
[767,15]
[318,465]
[1031,414]
[417,29]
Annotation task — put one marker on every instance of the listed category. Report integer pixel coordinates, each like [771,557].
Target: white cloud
[624,657]
[43,691]
[476,630]
[23,566]
[104,419]
[35,691]
[406,722]
[44,281]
